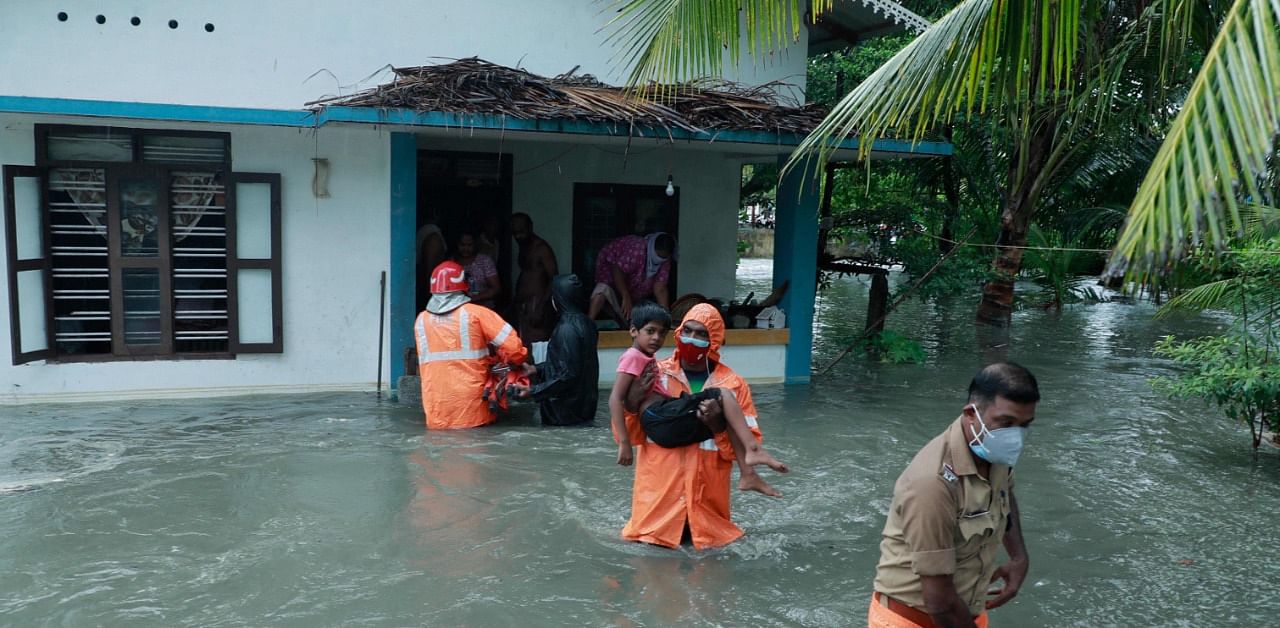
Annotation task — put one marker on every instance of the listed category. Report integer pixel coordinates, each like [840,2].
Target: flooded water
[340,510]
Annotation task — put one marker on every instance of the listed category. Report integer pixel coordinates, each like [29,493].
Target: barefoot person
[685,490]
[677,421]
[532,301]
[953,508]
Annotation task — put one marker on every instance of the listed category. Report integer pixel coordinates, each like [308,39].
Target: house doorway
[464,193]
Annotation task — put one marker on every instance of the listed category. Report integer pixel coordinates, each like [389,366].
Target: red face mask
[693,349]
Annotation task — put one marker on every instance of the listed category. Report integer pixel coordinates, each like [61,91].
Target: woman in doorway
[482,273]
[630,269]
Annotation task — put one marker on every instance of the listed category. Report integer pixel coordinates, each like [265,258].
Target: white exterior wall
[333,252]
[280,54]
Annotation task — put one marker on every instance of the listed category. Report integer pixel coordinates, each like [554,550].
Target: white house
[179,222]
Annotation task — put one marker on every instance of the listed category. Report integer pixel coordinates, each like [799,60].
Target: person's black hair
[525,217]
[646,312]
[464,233]
[664,242]
[1004,379]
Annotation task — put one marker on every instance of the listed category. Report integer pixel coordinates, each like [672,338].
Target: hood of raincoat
[710,318]
[568,386]
[447,302]
[568,294]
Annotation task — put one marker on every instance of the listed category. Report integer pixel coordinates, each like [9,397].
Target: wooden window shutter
[254,263]
[26,239]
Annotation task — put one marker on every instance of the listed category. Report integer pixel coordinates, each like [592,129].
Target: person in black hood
[567,386]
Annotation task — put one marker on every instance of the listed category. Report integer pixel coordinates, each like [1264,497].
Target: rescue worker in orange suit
[458,342]
[688,487]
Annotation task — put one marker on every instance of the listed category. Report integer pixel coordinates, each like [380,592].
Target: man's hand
[529,369]
[1012,573]
[709,409]
[517,391]
[624,454]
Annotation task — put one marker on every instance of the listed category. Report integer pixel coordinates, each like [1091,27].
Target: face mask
[1000,446]
[693,349]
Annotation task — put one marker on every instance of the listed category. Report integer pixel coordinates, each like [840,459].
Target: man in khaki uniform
[953,507]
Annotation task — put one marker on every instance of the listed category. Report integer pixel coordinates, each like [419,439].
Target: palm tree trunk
[996,306]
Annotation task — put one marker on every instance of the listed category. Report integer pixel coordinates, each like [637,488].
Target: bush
[894,348]
[1232,372]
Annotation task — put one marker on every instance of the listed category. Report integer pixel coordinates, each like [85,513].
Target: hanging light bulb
[671,188]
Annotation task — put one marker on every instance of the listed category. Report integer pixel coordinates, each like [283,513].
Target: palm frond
[1214,295]
[1261,221]
[1215,150]
[984,54]
[665,42]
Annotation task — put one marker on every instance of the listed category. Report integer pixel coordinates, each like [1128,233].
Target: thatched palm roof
[475,86]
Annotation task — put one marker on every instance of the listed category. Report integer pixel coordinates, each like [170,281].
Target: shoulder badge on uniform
[948,473]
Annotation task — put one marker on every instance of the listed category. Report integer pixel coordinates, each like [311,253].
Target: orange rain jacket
[691,483]
[454,359]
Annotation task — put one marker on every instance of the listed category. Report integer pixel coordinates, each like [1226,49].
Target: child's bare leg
[748,478]
[736,423]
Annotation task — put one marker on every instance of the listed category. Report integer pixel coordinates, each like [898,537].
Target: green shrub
[894,348]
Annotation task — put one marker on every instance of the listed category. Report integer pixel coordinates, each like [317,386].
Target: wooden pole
[877,304]
[382,315]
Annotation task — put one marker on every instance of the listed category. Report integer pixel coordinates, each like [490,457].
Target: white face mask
[1001,446]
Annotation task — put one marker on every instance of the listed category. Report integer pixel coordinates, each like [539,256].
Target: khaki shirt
[944,519]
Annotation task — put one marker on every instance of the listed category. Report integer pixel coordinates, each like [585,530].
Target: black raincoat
[569,381]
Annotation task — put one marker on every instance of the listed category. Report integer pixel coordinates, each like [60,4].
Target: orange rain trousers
[455,351]
[879,616]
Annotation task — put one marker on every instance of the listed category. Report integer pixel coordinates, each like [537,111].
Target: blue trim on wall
[403,262]
[155,111]
[406,117]
[796,231]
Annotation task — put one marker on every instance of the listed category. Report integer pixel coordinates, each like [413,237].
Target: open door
[461,192]
[28,254]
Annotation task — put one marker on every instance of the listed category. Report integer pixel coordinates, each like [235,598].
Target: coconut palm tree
[1053,73]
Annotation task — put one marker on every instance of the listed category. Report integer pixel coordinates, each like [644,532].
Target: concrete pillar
[404,226]
[795,260]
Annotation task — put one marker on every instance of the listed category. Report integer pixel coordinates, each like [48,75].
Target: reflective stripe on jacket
[455,350]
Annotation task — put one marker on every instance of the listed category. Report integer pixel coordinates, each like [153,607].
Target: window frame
[117,264]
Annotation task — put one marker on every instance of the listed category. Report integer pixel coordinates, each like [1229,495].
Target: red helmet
[449,277]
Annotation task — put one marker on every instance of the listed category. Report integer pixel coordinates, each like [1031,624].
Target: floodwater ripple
[340,509]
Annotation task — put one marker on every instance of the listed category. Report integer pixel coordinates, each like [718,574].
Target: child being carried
[679,421]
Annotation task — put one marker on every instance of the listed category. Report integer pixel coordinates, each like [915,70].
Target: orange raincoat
[690,484]
[453,361]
